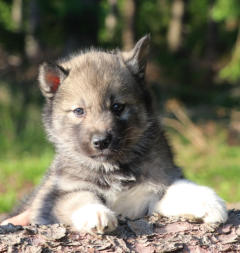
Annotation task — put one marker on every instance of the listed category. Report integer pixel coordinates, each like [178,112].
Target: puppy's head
[97,105]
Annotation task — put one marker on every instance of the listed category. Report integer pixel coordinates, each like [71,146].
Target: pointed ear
[50,77]
[136,59]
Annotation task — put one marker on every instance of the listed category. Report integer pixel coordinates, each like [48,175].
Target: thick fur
[135,174]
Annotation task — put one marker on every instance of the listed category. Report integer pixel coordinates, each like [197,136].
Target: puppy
[112,157]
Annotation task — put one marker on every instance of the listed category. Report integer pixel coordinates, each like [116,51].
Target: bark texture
[148,235]
[129,20]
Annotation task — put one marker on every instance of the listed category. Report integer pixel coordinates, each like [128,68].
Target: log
[147,235]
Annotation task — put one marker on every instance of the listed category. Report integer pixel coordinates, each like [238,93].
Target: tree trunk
[111,19]
[174,36]
[17,14]
[81,29]
[149,235]
[32,48]
[129,16]
[236,50]
[211,38]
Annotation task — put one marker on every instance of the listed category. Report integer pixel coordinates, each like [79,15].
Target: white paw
[184,198]
[95,218]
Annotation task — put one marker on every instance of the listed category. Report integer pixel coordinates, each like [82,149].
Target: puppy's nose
[101,141]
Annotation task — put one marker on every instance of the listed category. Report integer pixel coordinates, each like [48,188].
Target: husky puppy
[112,157]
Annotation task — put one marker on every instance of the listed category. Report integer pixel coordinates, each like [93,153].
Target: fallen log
[146,235]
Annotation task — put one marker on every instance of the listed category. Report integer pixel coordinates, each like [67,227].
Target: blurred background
[194,71]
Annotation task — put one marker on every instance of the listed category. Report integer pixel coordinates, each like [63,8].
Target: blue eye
[117,108]
[78,111]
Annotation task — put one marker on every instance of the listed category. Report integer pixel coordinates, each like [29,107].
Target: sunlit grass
[20,174]
[24,151]
[218,166]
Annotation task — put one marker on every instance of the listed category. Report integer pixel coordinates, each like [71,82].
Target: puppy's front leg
[85,212]
[184,198]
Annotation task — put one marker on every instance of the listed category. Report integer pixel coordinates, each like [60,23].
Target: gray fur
[140,163]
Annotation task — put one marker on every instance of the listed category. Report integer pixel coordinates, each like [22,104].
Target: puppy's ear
[50,78]
[136,59]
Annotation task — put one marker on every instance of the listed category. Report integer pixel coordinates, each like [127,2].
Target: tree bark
[174,36]
[153,234]
[129,16]
[111,19]
[17,14]
[236,50]
[32,47]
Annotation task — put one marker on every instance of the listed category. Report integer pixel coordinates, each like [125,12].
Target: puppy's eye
[117,108]
[78,111]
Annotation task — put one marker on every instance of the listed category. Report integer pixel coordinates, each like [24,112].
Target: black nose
[101,141]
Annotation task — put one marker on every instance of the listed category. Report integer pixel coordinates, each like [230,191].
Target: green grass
[24,151]
[218,166]
[20,174]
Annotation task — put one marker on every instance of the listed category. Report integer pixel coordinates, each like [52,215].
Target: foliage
[5,16]
[229,11]
[224,10]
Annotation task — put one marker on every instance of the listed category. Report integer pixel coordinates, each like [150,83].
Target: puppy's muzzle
[101,141]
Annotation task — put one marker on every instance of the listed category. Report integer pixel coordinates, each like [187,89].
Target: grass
[19,175]
[24,151]
[218,166]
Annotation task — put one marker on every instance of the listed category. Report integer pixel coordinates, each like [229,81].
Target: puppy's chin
[98,161]
[103,163]
[102,158]
[105,158]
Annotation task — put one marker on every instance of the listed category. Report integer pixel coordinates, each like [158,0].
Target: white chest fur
[135,202]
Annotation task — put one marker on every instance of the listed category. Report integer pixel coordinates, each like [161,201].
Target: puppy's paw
[94,218]
[184,198]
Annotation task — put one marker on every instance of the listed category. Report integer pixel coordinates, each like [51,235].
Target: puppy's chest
[133,202]
[124,194]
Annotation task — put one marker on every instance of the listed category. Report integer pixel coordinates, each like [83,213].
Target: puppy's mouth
[103,155]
